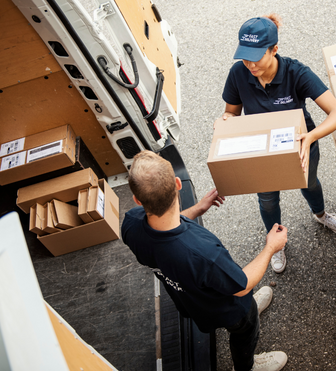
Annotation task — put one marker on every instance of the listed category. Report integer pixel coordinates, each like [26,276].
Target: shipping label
[44,151]
[282,139]
[100,202]
[14,160]
[232,146]
[333,61]
[11,147]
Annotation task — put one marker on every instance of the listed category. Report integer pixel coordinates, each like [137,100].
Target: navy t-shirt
[293,83]
[197,271]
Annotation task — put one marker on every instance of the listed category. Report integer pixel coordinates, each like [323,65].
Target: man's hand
[210,199]
[276,238]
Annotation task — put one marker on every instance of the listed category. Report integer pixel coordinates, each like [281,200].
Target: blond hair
[152,181]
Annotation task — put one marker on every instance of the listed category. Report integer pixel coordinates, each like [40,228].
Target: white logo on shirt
[284,100]
[174,285]
[250,38]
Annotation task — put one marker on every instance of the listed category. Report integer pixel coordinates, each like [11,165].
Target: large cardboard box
[89,234]
[64,188]
[37,154]
[329,55]
[258,153]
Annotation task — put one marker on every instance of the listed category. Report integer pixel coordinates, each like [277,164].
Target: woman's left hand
[305,149]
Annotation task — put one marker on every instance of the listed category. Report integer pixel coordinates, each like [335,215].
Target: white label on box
[44,151]
[282,139]
[232,146]
[11,147]
[333,61]
[11,161]
[100,202]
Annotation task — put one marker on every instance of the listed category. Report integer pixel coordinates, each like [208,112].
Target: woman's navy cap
[255,36]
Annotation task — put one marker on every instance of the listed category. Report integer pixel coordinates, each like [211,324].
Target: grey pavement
[301,318]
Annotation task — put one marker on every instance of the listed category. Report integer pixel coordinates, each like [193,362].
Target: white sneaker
[272,361]
[328,220]
[278,261]
[263,297]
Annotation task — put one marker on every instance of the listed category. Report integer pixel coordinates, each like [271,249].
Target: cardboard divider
[82,206]
[36,219]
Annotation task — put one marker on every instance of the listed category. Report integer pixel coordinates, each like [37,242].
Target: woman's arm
[232,110]
[327,102]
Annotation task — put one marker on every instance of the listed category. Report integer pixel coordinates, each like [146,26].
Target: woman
[265,82]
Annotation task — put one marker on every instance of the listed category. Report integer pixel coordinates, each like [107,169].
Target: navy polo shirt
[291,86]
[195,268]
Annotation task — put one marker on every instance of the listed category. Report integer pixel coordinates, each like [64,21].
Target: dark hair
[152,181]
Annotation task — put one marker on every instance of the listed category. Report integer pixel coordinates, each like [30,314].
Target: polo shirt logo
[174,285]
[284,100]
[250,38]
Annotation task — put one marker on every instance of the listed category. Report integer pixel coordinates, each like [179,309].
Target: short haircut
[152,181]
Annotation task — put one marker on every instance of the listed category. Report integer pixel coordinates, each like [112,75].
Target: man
[195,268]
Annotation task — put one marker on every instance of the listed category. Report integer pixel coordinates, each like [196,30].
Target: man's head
[153,183]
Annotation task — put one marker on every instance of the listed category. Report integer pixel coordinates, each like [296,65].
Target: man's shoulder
[133,218]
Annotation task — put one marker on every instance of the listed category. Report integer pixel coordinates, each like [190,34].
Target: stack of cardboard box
[63,227]
[37,154]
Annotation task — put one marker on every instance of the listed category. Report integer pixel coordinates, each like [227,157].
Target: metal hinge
[104,10]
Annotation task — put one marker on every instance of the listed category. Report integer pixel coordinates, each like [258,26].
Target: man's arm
[275,241]
[211,198]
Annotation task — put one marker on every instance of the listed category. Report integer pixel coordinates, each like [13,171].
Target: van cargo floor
[101,291]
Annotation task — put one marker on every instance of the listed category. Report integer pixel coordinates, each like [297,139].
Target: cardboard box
[48,225]
[329,56]
[82,206]
[64,188]
[64,216]
[89,234]
[36,219]
[37,154]
[95,205]
[258,153]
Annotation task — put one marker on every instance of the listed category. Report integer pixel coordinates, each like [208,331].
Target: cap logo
[250,38]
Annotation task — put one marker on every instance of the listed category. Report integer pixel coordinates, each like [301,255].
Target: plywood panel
[136,12]
[51,101]
[24,56]
[77,355]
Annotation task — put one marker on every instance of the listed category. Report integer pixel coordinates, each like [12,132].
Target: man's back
[194,266]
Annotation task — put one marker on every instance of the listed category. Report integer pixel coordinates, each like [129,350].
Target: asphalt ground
[301,318]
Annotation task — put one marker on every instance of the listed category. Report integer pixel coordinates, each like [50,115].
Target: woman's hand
[306,141]
[226,115]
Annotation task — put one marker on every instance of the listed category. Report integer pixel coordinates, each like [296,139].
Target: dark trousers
[269,201]
[244,338]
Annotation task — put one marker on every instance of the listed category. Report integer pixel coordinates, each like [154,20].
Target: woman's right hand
[226,115]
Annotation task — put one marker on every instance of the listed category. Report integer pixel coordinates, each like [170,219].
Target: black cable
[98,72]
[103,63]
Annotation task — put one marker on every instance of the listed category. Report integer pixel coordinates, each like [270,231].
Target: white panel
[28,335]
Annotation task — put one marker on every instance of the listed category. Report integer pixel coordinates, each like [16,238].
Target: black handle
[157,98]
